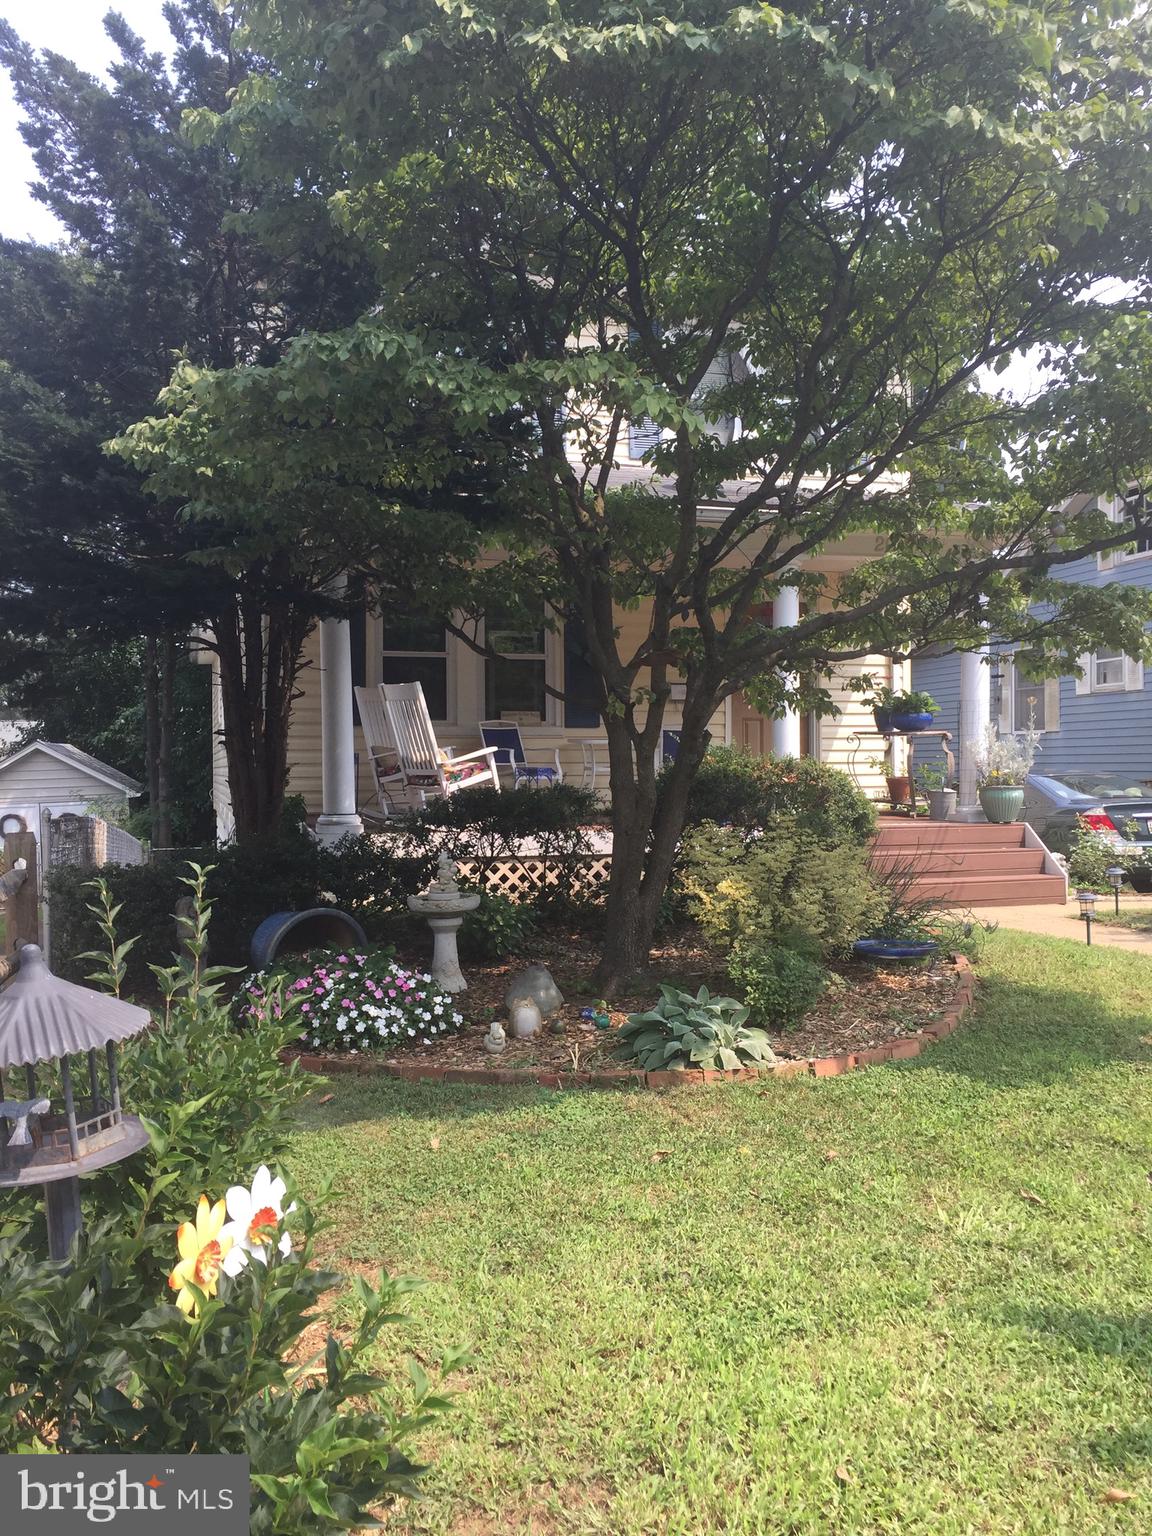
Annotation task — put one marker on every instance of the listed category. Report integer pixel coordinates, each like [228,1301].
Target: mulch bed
[864,1007]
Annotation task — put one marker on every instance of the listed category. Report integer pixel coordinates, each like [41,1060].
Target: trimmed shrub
[497,928]
[490,823]
[779,985]
[780,886]
[735,788]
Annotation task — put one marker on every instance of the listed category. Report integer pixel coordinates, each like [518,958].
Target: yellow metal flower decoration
[202,1252]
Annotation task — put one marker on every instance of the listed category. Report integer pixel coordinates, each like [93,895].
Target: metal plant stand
[857,739]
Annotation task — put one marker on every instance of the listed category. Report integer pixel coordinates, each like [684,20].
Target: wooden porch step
[921,861]
[983,890]
[943,834]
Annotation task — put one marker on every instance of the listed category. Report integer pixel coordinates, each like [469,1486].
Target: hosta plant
[686,1030]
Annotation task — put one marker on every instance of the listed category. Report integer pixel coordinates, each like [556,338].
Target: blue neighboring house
[1100,722]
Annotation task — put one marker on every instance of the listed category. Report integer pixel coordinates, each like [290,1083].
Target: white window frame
[1108,559]
[552,655]
[374,670]
[1009,725]
[1131,675]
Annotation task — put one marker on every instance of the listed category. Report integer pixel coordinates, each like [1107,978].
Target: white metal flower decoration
[255,1216]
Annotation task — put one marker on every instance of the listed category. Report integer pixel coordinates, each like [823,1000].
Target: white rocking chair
[382,756]
[424,767]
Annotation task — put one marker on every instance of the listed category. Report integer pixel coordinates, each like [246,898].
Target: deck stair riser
[967,864]
[955,861]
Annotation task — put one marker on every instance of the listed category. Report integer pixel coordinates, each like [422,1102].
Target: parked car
[1116,805]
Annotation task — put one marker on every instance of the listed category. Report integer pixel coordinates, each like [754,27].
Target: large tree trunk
[260,654]
[646,829]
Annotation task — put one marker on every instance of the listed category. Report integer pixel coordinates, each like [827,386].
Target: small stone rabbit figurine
[494,1039]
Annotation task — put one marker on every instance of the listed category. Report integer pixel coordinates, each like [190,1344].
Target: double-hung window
[514,678]
[415,650]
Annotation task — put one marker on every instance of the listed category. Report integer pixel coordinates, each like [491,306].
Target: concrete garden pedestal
[444,905]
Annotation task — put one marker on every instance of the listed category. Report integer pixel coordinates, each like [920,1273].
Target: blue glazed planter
[298,932]
[893,951]
[912,723]
[883,719]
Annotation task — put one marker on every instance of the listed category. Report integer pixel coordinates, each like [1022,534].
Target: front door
[753,731]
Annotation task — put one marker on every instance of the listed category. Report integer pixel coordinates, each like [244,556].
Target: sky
[74,28]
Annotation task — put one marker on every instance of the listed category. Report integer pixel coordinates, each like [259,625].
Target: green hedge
[734,788]
[370,877]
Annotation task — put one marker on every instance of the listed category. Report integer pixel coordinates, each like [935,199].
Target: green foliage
[1089,855]
[96,1358]
[488,823]
[779,985]
[734,786]
[499,927]
[902,703]
[341,1001]
[780,886]
[215,1098]
[685,1031]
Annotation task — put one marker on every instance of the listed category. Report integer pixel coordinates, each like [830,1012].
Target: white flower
[256,1213]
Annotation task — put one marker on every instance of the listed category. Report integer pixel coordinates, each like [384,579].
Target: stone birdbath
[444,905]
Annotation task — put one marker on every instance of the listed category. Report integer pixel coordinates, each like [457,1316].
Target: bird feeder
[71,1122]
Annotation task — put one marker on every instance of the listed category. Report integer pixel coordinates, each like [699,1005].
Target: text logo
[63,1495]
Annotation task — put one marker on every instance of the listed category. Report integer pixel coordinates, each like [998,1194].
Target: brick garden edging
[899,1048]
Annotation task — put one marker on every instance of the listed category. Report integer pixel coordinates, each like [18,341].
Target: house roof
[65,752]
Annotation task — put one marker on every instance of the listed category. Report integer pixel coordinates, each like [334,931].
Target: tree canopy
[794,240]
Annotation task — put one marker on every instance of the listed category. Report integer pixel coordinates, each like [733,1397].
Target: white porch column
[786,730]
[338,816]
[975,712]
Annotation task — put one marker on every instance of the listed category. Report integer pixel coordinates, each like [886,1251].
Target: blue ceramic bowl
[890,951]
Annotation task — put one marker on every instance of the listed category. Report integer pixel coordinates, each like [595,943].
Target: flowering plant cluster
[350,1002]
[1006,761]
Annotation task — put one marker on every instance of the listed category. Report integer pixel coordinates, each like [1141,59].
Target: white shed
[56,777]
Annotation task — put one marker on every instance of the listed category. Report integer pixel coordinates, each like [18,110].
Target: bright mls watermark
[61,1495]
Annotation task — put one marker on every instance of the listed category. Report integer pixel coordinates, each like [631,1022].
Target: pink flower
[346,1003]
[307,1008]
[343,959]
[319,991]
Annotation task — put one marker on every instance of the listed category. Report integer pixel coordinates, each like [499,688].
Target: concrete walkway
[1066,923]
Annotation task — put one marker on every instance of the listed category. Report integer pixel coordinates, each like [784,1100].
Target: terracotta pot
[899,789]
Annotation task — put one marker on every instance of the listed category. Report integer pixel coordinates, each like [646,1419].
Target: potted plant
[899,784]
[906,712]
[1003,763]
[941,797]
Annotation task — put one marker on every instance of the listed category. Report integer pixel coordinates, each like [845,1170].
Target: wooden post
[22,908]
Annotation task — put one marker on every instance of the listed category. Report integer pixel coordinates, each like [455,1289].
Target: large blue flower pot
[295,933]
[912,723]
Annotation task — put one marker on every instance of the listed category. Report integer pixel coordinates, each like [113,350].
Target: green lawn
[912,1300]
